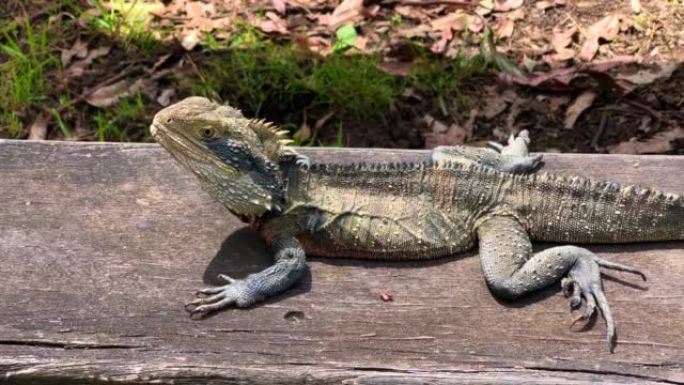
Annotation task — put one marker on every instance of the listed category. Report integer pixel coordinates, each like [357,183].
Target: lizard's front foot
[583,286]
[515,155]
[299,159]
[236,292]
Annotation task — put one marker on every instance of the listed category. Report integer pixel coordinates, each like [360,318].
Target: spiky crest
[273,138]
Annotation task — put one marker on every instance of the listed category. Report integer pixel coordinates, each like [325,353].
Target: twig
[599,133]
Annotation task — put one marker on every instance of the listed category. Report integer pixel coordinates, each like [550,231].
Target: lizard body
[461,197]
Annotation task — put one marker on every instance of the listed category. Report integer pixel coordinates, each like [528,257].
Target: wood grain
[101,244]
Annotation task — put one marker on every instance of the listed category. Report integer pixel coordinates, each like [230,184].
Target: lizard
[463,197]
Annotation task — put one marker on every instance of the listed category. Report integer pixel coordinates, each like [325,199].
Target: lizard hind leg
[512,270]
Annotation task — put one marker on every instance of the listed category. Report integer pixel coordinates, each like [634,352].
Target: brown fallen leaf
[659,143]
[561,40]
[457,21]
[475,24]
[453,134]
[190,39]
[79,50]
[543,5]
[508,5]
[606,28]
[109,95]
[561,55]
[280,6]
[485,7]
[495,104]
[77,67]
[583,101]
[348,12]
[164,98]
[648,76]
[272,24]
[504,28]
[440,45]
[38,129]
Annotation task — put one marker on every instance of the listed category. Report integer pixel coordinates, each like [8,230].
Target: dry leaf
[304,132]
[475,24]
[505,27]
[561,55]
[518,14]
[495,104]
[644,77]
[543,5]
[563,39]
[606,28]
[440,45]
[348,12]
[583,101]
[435,125]
[274,23]
[190,39]
[485,7]
[109,95]
[441,134]
[418,31]
[508,5]
[660,142]
[194,9]
[38,129]
[76,68]
[164,98]
[280,6]
[456,21]
[636,6]
[79,50]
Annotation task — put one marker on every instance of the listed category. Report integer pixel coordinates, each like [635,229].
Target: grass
[278,81]
[23,73]
[124,21]
[121,121]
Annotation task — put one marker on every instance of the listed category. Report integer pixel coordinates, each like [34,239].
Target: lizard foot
[236,292]
[515,155]
[299,159]
[583,286]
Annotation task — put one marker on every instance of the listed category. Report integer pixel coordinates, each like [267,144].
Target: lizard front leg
[511,270]
[514,157]
[290,264]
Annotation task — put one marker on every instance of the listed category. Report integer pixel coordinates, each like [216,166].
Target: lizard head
[235,158]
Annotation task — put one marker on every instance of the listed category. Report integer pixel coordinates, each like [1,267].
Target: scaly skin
[461,197]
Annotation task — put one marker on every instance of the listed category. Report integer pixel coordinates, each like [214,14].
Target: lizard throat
[226,184]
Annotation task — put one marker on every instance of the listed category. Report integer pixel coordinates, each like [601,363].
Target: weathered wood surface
[101,244]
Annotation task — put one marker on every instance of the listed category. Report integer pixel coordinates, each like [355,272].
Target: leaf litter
[544,50]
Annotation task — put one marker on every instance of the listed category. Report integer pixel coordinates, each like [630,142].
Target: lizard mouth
[153,131]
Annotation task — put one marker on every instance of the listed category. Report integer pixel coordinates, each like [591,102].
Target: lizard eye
[207,132]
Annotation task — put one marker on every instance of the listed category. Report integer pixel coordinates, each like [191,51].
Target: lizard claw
[303,161]
[235,293]
[583,286]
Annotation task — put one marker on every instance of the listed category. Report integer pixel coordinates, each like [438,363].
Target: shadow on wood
[101,245]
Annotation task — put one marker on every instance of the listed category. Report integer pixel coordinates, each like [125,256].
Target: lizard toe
[586,280]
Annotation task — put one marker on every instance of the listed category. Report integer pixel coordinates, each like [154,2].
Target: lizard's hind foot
[583,286]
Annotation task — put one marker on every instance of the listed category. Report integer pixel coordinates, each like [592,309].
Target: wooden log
[101,244]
